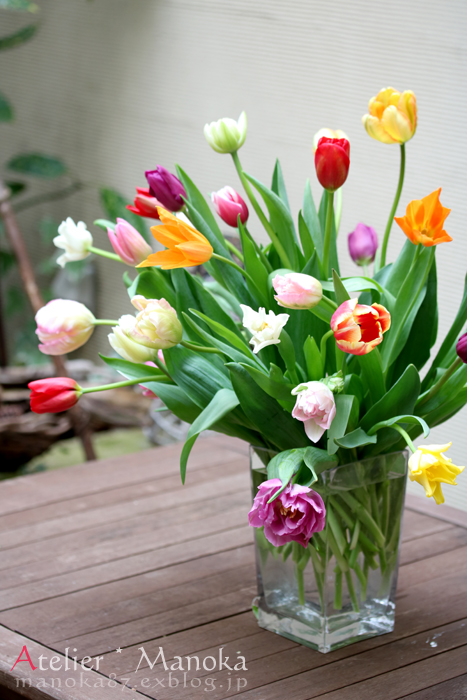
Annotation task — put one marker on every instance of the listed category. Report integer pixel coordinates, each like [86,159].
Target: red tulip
[359,328]
[145,204]
[54,394]
[332,162]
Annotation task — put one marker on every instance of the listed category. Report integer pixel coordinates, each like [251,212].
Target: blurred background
[111,88]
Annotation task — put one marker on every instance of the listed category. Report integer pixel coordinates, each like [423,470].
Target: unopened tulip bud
[128,243]
[363,244]
[63,325]
[332,162]
[335,382]
[392,116]
[229,205]
[297,291]
[166,187]
[54,394]
[226,135]
[74,239]
[461,348]
[145,204]
[329,134]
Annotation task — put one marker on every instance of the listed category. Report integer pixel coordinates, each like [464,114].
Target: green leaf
[448,391]
[176,400]
[229,351]
[18,38]
[305,237]
[357,438]
[284,466]
[255,268]
[399,400]
[281,221]
[134,370]
[278,184]
[16,188]
[313,359]
[104,224]
[371,368]
[450,339]
[232,338]
[37,165]
[221,404]
[275,424]
[447,409]
[319,460]
[19,5]
[340,291]
[199,377]
[400,419]
[127,281]
[6,110]
[310,216]
[199,203]
[114,205]
[398,270]
[153,283]
[346,418]
[353,385]
[406,298]
[356,284]
[280,390]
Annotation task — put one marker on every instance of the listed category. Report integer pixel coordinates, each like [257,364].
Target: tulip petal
[396,124]
[375,129]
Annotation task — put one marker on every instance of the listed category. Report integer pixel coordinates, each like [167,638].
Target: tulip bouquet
[274,347]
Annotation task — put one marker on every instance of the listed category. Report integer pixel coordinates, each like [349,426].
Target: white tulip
[125,346]
[74,239]
[265,328]
[226,135]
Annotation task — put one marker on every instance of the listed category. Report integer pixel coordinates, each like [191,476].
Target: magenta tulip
[229,205]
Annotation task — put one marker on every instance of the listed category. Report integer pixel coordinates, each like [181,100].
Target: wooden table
[115,559]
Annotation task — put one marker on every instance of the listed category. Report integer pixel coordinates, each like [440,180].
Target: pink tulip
[297,291]
[294,516]
[229,205]
[63,325]
[54,394]
[315,406]
[128,243]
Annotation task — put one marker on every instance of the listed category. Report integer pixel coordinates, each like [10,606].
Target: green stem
[322,346]
[233,264]
[199,348]
[352,594]
[297,554]
[260,252]
[233,249]
[442,380]
[161,366]
[384,247]
[117,385]
[328,232]
[105,254]
[400,430]
[105,322]
[338,589]
[272,234]
[328,303]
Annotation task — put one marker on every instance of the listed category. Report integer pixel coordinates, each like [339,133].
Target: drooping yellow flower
[392,116]
[186,247]
[430,468]
[424,220]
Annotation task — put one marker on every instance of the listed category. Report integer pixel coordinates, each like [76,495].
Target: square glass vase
[341,588]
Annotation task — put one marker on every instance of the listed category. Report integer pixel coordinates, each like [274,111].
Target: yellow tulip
[392,117]
[430,468]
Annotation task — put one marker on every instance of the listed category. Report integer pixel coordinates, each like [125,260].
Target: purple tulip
[166,187]
[461,348]
[363,244]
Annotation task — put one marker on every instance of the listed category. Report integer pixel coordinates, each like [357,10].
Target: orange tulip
[186,247]
[424,219]
[359,328]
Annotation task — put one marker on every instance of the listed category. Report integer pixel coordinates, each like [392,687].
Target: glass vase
[341,588]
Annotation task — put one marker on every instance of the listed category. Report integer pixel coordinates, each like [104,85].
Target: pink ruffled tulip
[229,205]
[297,291]
[294,516]
[63,325]
[315,406]
[359,328]
[128,243]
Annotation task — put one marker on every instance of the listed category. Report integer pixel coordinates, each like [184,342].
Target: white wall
[117,86]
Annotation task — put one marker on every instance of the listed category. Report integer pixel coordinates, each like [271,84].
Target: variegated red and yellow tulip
[186,247]
[359,328]
[392,116]
[424,220]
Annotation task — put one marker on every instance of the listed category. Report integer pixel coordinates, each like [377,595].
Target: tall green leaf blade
[224,401]
[278,184]
[37,165]
[153,283]
[322,213]
[199,203]
[371,367]
[345,419]
[229,351]
[399,400]
[398,271]
[6,110]
[255,268]
[18,38]
[282,391]
[306,240]
[199,377]
[281,221]
[340,291]
[310,216]
[401,419]
[232,338]
[134,370]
